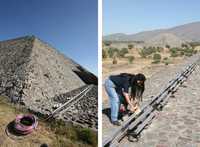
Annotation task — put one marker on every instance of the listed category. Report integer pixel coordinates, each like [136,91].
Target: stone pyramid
[31,70]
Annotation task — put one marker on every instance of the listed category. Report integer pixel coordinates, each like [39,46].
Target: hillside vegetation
[53,133]
[156,54]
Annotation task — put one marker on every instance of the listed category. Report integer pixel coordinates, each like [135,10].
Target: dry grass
[55,134]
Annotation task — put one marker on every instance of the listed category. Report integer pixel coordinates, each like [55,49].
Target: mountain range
[174,36]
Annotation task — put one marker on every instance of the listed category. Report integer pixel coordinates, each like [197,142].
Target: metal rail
[136,123]
[70,102]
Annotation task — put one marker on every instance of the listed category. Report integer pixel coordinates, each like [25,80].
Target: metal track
[70,102]
[136,123]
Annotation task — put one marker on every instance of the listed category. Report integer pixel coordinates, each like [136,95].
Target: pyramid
[32,72]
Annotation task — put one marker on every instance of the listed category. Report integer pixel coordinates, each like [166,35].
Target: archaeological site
[38,77]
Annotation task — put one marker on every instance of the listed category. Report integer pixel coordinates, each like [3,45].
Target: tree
[183,45]
[130,46]
[142,53]
[159,49]
[107,43]
[173,52]
[114,60]
[147,51]
[112,51]
[166,61]
[167,46]
[104,54]
[122,52]
[130,59]
[189,52]
[156,58]
[182,53]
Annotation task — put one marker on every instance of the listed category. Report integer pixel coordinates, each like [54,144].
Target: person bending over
[117,88]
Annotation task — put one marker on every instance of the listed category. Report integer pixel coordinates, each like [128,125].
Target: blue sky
[132,16]
[68,25]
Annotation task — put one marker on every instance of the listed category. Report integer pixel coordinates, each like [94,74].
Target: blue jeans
[114,99]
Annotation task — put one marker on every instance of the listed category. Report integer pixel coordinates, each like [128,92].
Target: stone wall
[36,75]
[14,58]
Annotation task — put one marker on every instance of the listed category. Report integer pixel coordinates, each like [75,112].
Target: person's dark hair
[44,145]
[136,89]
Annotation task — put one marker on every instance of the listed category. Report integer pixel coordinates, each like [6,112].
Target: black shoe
[116,123]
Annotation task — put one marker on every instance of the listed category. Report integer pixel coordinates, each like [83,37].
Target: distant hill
[173,36]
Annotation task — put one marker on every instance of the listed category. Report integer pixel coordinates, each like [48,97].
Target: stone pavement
[154,85]
[178,125]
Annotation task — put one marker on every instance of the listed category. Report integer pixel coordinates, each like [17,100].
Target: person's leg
[114,99]
[122,109]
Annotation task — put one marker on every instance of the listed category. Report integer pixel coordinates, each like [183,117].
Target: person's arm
[127,98]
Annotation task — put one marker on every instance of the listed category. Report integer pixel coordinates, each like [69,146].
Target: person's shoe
[116,123]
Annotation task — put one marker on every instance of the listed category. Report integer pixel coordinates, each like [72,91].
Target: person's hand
[138,110]
[135,102]
[133,108]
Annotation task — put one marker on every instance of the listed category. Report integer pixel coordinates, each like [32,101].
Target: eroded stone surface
[36,75]
[178,125]
[173,126]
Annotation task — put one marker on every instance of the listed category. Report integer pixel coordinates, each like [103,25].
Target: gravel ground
[85,111]
[178,125]
[153,86]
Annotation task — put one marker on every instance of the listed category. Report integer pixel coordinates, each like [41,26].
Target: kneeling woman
[117,88]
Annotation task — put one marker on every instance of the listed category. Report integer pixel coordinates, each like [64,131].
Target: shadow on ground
[12,133]
[107,112]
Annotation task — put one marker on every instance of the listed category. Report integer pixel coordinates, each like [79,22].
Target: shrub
[155,61]
[130,59]
[107,43]
[122,52]
[189,52]
[166,61]
[104,54]
[166,58]
[142,53]
[159,49]
[112,51]
[173,52]
[130,46]
[183,45]
[167,46]
[156,56]
[114,60]
[87,136]
[182,53]
[66,134]
[147,51]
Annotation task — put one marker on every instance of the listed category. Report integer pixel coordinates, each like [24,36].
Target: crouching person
[117,88]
